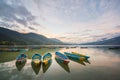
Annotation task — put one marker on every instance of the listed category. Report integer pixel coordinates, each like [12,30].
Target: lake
[104,64]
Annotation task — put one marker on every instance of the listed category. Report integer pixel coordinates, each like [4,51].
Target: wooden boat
[46,66]
[75,58]
[36,63]
[36,59]
[64,66]
[21,58]
[47,58]
[62,58]
[81,55]
[21,61]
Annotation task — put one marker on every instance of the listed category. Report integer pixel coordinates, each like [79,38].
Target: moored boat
[47,58]
[81,55]
[36,59]
[21,58]
[62,58]
[75,58]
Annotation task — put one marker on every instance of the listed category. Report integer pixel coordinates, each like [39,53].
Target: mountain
[56,40]
[12,37]
[112,41]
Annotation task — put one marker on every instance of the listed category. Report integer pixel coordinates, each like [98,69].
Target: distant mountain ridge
[13,37]
[112,41]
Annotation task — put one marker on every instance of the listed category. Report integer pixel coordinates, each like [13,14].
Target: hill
[112,41]
[8,37]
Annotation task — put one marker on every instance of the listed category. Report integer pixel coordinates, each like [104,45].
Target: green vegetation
[8,56]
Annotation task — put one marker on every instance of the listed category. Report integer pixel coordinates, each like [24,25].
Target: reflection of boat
[36,63]
[47,60]
[87,61]
[81,55]
[35,67]
[46,66]
[64,66]
[62,58]
[20,61]
[75,58]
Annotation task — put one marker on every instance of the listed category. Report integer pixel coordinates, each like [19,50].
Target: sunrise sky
[75,21]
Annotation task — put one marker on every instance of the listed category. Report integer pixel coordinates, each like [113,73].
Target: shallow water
[104,65]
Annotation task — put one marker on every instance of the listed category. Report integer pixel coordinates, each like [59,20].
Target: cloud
[69,20]
[14,14]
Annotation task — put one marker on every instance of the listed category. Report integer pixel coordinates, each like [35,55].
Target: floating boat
[61,57]
[46,66]
[47,58]
[81,55]
[21,61]
[64,66]
[75,58]
[36,59]
[21,58]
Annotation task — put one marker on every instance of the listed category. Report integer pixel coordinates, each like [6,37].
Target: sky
[74,21]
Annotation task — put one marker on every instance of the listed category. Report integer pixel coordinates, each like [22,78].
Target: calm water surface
[104,65]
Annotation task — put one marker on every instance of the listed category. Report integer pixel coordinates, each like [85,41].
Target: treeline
[12,43]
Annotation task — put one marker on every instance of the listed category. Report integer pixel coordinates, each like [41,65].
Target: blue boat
[36,58]
[21,61]
[47,58]
[21,58]
[61,57]
[75,58]
[81,55]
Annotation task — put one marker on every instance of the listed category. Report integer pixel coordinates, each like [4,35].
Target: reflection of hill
[64,66]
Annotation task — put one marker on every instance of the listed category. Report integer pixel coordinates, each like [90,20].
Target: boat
[47,58]
[75,58]
[46,66]
[64,66]
[81,55]
[62,58]
[21,58]
[36,63]
[36,59]
[21,61]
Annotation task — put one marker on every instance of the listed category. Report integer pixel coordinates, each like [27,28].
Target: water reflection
[104,64]
[64,66]
[46,66]
[20,65]
[36,67]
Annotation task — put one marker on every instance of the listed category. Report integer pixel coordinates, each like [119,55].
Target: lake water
[104,65]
